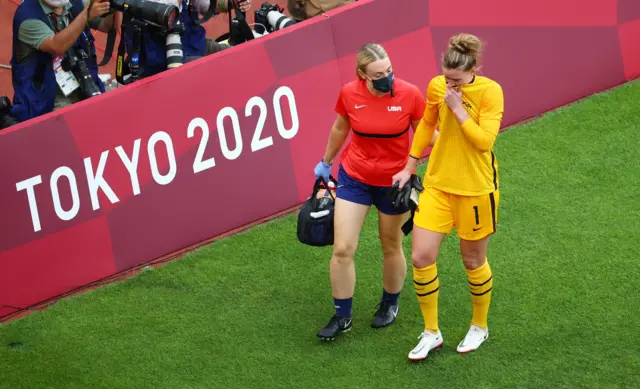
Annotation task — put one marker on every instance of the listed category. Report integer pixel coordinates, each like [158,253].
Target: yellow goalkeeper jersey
[462,161]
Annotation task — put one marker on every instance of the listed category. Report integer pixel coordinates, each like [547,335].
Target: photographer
[211,46]
[45,32]
[195,44]
[305,9]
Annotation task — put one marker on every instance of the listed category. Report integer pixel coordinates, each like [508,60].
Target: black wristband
[416,158]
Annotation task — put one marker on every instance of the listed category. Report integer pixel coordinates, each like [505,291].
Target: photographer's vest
[154,58]
[28,101]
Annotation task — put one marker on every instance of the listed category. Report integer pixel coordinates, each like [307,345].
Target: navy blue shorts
[352,190]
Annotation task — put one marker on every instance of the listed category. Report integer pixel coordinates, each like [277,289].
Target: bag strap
[122,69]
[243,33]
[322,184]
[108,50]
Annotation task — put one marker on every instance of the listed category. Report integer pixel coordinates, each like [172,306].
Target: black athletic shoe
[336,325]
[385,315]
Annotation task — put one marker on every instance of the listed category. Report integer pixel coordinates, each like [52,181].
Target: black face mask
[384,84]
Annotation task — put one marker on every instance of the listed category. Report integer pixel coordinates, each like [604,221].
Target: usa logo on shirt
[394,109]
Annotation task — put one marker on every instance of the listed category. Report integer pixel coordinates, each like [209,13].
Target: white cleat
[473,340]
[428,341]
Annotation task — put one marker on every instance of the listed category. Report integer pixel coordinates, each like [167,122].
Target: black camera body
[270,18]
[75,61]
[262,12]
[6,120]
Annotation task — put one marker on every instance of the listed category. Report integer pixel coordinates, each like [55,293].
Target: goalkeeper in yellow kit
[460,187]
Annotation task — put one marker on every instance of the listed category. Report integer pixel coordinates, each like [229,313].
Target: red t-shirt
[379,147]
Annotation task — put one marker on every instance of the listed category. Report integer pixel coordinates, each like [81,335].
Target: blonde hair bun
[465,44]
[463,52]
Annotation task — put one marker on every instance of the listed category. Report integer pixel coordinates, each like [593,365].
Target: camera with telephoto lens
[269,18]
[6,120]
[158,14]
[75,61]
[173,45]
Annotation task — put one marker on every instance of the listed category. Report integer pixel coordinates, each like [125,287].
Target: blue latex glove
[322,170]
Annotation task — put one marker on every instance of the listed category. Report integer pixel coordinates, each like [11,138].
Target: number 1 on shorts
[475,210]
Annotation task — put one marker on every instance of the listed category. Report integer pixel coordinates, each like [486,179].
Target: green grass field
[243,312]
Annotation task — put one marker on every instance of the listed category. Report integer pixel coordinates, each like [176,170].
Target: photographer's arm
[59,43]
[98,8]
[222,6]
[103,24]
[244,5]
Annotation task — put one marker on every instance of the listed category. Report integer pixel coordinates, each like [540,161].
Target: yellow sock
[427,284]
[480,285]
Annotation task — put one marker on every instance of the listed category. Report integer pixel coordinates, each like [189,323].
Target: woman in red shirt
[380,109]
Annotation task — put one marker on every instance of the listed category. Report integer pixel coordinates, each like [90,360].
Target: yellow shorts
[474,217]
